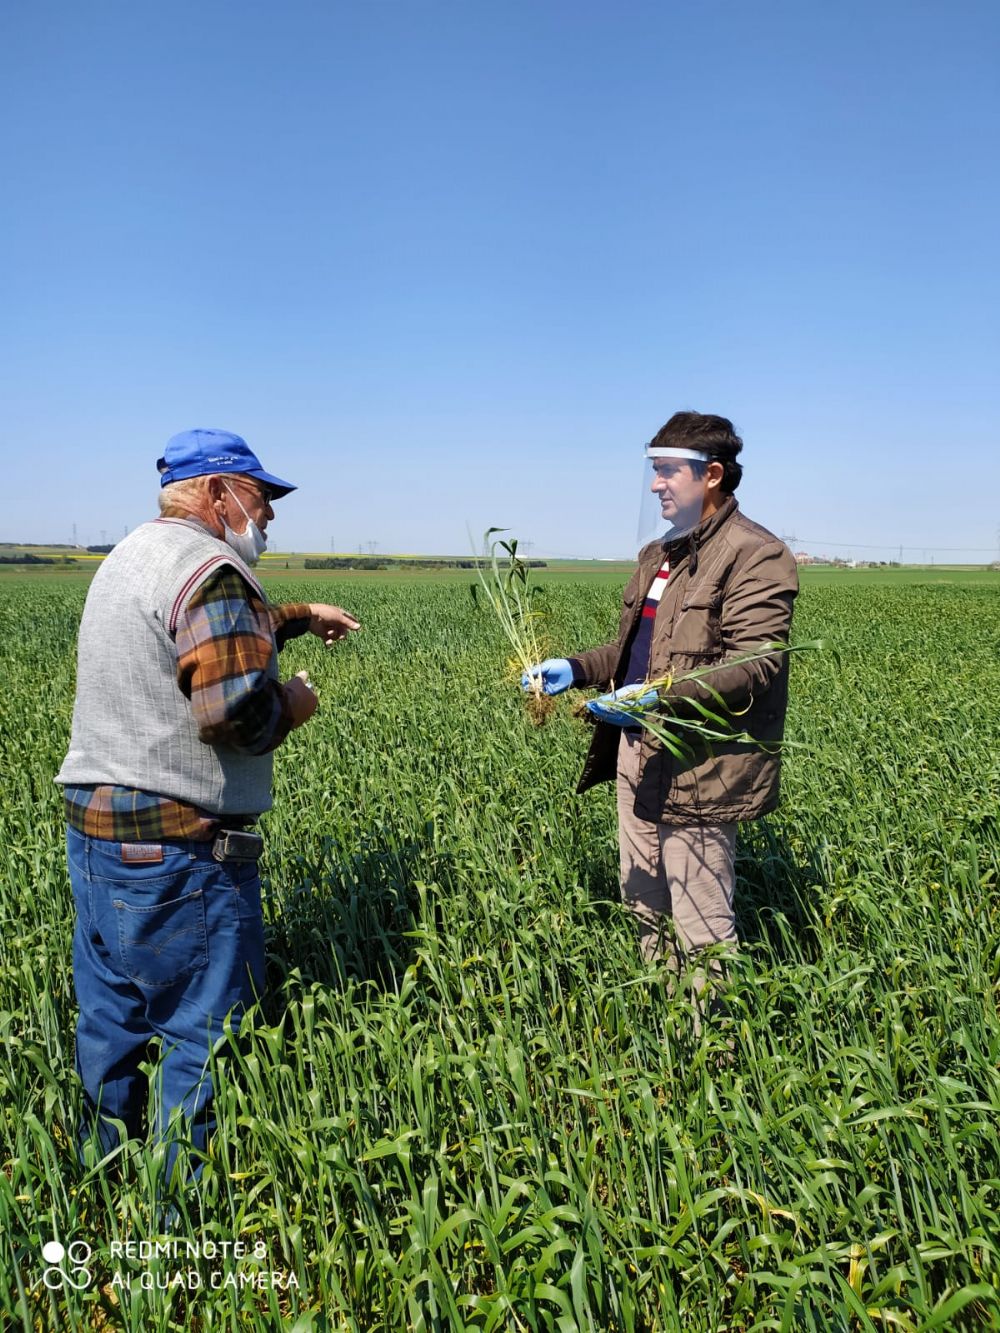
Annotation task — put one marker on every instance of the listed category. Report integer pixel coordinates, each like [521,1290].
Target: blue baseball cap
[198,453]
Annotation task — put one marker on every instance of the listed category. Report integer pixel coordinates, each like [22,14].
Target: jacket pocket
[703,599]
[696,629]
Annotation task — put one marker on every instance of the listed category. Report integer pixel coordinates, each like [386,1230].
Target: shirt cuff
[289,621]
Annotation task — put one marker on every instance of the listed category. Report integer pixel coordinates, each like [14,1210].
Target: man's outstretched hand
[331,623]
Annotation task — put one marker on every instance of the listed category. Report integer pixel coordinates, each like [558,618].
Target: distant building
[804,558]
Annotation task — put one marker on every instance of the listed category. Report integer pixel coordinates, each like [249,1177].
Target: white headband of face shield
[697,455]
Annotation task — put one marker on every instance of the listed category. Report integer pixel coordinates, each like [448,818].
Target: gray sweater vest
[132,726]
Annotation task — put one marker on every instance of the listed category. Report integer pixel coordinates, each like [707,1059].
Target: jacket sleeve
[224,648]
[593,669]
[756,609]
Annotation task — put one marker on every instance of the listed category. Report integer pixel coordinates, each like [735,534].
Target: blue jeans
[163,950]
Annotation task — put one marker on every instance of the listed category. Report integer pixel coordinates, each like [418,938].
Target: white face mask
[250,544]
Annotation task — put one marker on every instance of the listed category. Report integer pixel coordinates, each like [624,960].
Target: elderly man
[711,586]
[178,712]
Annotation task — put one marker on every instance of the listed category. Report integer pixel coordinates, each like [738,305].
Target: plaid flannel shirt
[225,638]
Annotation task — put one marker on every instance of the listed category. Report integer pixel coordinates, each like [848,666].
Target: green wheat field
[464,1102]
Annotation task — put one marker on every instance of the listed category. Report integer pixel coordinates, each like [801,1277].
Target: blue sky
[450,264]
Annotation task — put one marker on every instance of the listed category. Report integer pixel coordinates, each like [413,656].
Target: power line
[872,546]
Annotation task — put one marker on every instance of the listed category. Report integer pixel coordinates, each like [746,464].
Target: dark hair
[697,430]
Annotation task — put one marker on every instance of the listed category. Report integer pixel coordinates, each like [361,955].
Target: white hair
[184,497]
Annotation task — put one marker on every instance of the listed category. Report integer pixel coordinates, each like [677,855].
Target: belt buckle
[235,845]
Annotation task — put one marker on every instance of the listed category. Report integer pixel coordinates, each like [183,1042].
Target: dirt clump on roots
[540,708]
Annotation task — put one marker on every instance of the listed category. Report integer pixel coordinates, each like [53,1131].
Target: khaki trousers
[681,872]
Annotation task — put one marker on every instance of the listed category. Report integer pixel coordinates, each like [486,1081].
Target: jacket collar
[691,543]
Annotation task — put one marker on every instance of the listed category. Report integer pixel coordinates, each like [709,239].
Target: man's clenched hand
[301,698]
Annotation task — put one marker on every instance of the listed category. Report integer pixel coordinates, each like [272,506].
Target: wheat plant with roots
[680,734]
[507,590]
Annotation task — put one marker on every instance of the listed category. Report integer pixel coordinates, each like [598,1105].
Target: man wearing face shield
[710,587]
[178,711]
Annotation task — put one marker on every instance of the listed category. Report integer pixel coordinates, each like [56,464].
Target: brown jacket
[731,589]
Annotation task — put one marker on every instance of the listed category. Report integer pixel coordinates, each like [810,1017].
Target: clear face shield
[674,485]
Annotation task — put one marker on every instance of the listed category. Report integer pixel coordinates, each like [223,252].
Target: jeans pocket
[165,942]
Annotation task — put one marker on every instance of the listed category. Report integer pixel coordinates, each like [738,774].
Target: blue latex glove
[604,710]
[556,674]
